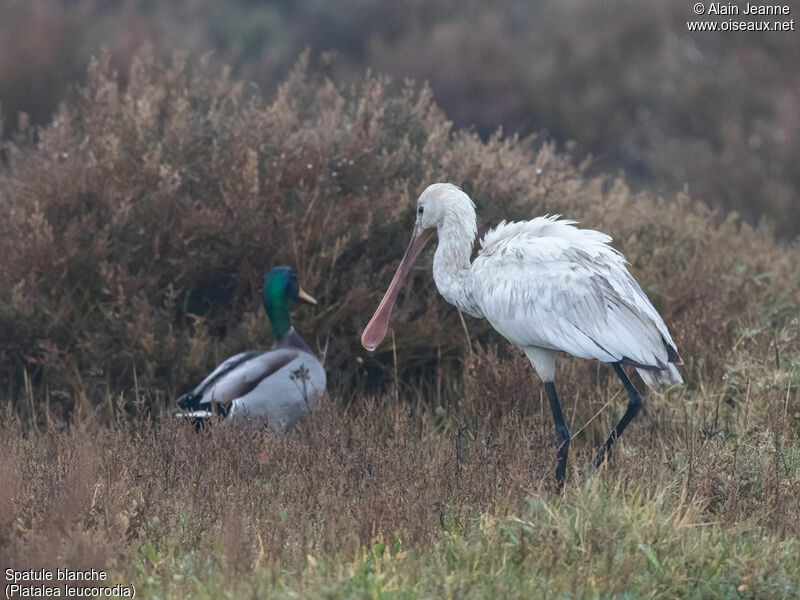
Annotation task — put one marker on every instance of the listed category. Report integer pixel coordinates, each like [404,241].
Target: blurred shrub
[139,224]
[625,79]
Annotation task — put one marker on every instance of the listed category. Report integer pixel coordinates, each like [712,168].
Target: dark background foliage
[625,80]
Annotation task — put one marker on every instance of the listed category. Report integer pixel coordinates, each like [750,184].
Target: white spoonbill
[546,286]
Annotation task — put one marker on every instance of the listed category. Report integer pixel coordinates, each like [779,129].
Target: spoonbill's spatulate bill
[278,386]
[546,286]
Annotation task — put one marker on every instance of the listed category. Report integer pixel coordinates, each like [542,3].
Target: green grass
[597,541]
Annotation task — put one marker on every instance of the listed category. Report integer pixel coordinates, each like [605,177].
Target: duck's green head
[281,291]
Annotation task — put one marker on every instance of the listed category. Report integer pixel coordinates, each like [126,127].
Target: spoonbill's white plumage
[546,286]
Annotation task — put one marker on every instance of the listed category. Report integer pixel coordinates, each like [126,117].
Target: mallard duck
[279,385]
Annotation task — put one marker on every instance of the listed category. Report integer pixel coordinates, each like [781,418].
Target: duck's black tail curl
[199,411]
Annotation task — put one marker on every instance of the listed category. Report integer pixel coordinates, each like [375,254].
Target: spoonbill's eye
[420,209]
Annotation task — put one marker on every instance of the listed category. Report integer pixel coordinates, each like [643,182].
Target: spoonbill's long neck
[451,262]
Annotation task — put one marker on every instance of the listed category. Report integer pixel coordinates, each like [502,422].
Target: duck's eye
[420,209]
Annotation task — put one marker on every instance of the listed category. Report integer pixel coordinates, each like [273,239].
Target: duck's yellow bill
[304,295]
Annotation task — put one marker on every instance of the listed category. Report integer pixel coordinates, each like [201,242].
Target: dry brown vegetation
[139,225]
[137,229]
[360,488]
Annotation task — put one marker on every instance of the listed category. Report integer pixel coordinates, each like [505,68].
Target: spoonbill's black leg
[634,404]
[562,433]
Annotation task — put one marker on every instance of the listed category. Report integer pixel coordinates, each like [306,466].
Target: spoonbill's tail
[657,377]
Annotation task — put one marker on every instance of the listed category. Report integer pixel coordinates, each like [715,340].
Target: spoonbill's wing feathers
[548,284]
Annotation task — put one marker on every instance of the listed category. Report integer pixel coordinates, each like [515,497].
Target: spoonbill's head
[440,205]
[281,291]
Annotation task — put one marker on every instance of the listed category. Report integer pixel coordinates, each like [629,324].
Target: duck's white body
[277,386]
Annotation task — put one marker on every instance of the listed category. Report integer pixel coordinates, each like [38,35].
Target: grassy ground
[395,497]
[137,227]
